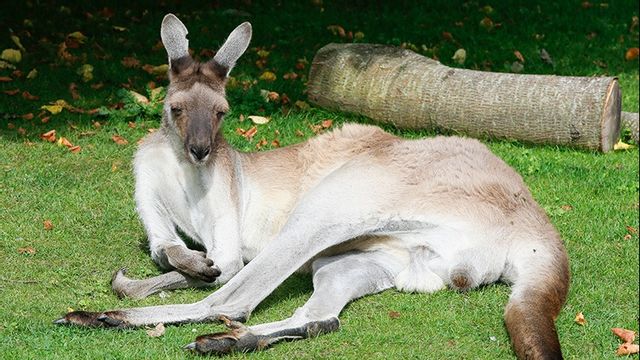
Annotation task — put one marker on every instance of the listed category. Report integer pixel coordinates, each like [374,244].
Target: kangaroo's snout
[199,152]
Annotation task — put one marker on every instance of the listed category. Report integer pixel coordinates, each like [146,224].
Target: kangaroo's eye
[176,111]
[220,114]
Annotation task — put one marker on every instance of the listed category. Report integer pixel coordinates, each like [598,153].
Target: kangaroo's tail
[540,285]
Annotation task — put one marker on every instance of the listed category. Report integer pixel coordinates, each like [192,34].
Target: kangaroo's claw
[109,319]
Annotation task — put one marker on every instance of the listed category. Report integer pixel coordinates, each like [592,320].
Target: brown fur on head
[195,103]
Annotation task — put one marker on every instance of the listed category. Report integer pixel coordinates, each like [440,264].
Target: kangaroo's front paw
[193,263]
[237,339]
[108,319]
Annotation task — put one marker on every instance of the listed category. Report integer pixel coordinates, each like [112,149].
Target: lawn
[86,197]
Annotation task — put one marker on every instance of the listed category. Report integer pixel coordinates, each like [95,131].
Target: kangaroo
[363,210]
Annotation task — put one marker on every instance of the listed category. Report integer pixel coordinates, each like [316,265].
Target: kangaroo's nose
[199,152]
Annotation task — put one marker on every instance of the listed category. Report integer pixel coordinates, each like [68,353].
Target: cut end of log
[610,121]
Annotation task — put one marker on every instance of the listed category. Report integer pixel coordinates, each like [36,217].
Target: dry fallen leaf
[11,55]
[16,40]
[631,54]
[49,136]
[580,320]
[75,149]
[139,98]
[259,120]
[73,90]
[28,250]
[261,143]
[626,335]
[63,141]
[487,23]
[28,96]
[268,76]
[622,146]
[327,123]
[78,36]
[544,56]
[302,105]
[631,229]
[48,225]
[53,109]
[249,134]
[157,331]
[156,70]
[5,79]
[518,55]
[394,314]
[130,62]
[627,349]
[460,56]
[290,76]
[337,30]
[86,71]
[119,140]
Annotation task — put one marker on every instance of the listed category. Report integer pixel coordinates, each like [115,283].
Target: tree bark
[399,87]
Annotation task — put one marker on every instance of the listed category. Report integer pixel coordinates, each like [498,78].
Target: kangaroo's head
[195,104]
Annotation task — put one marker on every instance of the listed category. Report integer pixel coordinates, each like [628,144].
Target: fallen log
[397,86]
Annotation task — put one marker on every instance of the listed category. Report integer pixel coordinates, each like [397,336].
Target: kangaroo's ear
[174,38]
[233,48]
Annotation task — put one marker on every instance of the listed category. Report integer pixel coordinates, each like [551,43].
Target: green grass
[88,196]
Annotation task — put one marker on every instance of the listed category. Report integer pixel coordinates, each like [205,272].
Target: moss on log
[399,87]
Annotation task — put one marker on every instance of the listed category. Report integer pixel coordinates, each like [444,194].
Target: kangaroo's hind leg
[336,280]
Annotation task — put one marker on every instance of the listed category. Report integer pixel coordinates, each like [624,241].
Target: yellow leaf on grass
[32,74]
[11,55]
[86,71]
[63,141]
[139,98]
[78,36]
[259,119]
[460,56]
[156,94]
[16,40]
[53,109]
[268,76]
[622,146]
[580,320]
[156,331]
[156,70]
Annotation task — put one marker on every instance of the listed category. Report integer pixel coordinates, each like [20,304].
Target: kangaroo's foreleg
[336,281]
[341,208]
[138,289]
[167,248]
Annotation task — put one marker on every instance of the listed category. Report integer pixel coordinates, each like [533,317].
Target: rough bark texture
[630,121]
[400,87]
